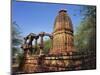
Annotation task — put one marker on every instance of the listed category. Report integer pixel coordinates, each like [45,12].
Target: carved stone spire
[63,34]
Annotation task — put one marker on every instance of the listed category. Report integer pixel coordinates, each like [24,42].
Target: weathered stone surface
[61,56]
[31,64]
[63,34]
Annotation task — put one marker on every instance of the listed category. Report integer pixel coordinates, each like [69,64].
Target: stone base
[31,64]
[61,63]
[50,63]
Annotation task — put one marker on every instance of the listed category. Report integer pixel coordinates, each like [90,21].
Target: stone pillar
[31,38]
[42,43]
[25,47]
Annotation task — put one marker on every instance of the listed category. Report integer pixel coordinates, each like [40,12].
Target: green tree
[16,38]
[47,46]
[85,36]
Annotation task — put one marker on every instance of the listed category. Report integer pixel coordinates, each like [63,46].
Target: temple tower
[62,34]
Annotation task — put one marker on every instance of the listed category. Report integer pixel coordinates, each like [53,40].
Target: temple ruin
[62,55]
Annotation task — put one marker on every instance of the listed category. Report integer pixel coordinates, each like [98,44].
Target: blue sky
[37,17]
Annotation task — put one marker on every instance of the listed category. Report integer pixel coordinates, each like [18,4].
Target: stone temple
[62,55]
[63,41]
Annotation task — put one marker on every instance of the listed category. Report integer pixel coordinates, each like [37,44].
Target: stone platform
[47,63]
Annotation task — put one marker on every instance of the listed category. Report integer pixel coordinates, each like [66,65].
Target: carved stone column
[42,43]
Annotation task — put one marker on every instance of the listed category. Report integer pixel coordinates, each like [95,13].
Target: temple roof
[62,11]
[62,21]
